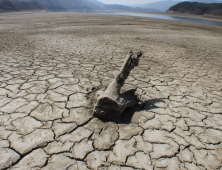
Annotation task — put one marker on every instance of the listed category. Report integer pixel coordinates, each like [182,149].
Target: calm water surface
[175,18]
[158,16]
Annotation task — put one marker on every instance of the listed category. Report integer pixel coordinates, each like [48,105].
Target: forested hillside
[50,5]
[65,5]
[18,5]
[196,8]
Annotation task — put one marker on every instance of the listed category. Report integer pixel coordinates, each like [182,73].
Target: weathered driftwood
[110,103]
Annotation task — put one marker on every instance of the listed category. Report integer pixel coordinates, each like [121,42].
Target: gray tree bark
[110,103]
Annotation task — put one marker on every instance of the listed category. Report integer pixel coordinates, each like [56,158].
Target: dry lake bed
[52,63]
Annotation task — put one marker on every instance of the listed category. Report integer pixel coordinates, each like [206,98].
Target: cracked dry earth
[51,62]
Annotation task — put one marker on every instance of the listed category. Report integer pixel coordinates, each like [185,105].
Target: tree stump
[110,104]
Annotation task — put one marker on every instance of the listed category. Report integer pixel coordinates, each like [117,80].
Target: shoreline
[207,17]
[207,20]
[185,15]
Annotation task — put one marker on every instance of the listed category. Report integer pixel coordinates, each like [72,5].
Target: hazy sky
[127,2]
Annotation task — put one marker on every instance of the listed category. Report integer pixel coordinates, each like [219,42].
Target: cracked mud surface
[50,62]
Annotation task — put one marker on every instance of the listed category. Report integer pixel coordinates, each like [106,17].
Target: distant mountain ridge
[86,5]
[65,5]
[15,5]
[165,5]
[100,4]
[50,5]
[128,8]
[196,8]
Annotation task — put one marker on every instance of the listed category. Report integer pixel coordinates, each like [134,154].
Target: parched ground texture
[51,62]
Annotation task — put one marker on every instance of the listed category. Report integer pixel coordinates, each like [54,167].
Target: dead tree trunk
[110,103]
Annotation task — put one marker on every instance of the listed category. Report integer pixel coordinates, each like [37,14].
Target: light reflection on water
[175,18]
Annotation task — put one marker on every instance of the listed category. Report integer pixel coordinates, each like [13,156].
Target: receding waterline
[166,17]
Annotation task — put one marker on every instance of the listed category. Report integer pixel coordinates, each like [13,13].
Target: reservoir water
[166,17]
[158,16]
